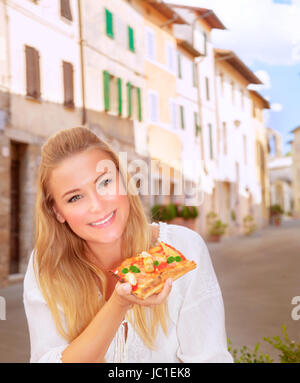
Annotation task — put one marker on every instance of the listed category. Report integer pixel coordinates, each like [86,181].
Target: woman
[88,219]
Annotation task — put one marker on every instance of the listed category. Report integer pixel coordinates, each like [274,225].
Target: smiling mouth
[104,220]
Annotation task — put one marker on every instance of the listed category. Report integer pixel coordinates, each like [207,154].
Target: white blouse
[196,331]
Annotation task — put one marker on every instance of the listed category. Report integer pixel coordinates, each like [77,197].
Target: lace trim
[120,349]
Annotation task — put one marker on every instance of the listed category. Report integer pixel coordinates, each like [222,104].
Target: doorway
[17,154]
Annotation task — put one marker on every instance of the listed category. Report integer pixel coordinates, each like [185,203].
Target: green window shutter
[109,23]
[106,89]
[207,88]
[130,39]
[129,97]
[179,65]
[182,116]
[120,96]
[197,126]
[139,103]
[210,142]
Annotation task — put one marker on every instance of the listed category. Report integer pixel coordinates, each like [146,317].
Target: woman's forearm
[92,344]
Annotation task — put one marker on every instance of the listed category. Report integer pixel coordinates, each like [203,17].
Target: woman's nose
[95,203]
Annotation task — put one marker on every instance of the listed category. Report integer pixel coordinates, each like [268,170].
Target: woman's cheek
[77,217]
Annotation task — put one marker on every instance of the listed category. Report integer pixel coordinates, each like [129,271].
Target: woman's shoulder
[30,284]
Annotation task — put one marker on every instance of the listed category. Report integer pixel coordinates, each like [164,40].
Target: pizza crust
[155,286]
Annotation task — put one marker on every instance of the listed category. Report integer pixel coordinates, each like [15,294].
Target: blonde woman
[88,219]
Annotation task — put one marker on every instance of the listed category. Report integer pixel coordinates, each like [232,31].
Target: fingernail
[170,282]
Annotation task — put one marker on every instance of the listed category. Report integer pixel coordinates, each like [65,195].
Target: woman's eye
[105,182]
[74,198]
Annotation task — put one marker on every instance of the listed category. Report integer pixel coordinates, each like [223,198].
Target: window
[109,23]
[245,148]
[207,88]
[232,92]
[65,9]
[112,89]
[222,83]
[211,153]
[182,117]
[242,98]
[134,102]
[130,39]
[179,65]
[173,113]
[196,125]
[170,56]
[224,138]
[68,84]
[205,43]
[150,44]
[32,72]
[194,71]
[153,106]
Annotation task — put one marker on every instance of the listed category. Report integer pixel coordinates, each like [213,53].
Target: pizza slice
[148,271]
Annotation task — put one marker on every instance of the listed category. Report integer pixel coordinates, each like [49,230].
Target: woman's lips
[106,221]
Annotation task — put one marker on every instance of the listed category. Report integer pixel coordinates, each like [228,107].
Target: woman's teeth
[105,220]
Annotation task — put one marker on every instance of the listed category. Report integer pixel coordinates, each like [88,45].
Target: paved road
[258,276]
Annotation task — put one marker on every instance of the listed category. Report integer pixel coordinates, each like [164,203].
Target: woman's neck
[105,255]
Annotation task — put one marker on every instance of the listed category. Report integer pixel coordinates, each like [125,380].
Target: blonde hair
[65,274]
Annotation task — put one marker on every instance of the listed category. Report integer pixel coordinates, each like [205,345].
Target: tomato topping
[133,288]
[161,265]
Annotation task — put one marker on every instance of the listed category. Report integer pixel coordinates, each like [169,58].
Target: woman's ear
[59,217]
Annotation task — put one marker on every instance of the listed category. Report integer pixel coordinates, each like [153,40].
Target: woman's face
[90,197]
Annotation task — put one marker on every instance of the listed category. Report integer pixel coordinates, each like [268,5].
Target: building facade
[296,171]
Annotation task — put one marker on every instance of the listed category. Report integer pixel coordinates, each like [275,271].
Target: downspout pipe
[83,116]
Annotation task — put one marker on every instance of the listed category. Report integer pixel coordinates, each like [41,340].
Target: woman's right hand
[123,296]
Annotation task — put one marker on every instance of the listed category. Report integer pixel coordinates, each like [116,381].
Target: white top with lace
[196,331]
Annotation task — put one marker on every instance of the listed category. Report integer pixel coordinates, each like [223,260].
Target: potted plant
[175,213]
[276,213]
[249,224]
[217,229]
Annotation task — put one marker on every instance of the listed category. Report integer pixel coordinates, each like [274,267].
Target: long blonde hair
[65,275]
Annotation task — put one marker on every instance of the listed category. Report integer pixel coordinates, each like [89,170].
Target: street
[258,275]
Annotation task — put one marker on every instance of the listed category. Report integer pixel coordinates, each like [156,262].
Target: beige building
[280,173]
[242,183]
[200,135]
[40,83]
[296,171]
[259,104]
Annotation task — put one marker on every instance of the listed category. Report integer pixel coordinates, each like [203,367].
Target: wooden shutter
[129,101]
[106,90]
[32,72]
[68,84]
[139,100]
[65,9]
[120,96]
[109,24]
[130,39]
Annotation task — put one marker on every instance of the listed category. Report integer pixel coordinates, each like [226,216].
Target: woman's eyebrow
[76,190]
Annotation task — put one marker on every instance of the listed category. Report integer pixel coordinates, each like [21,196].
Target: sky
[265,34]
